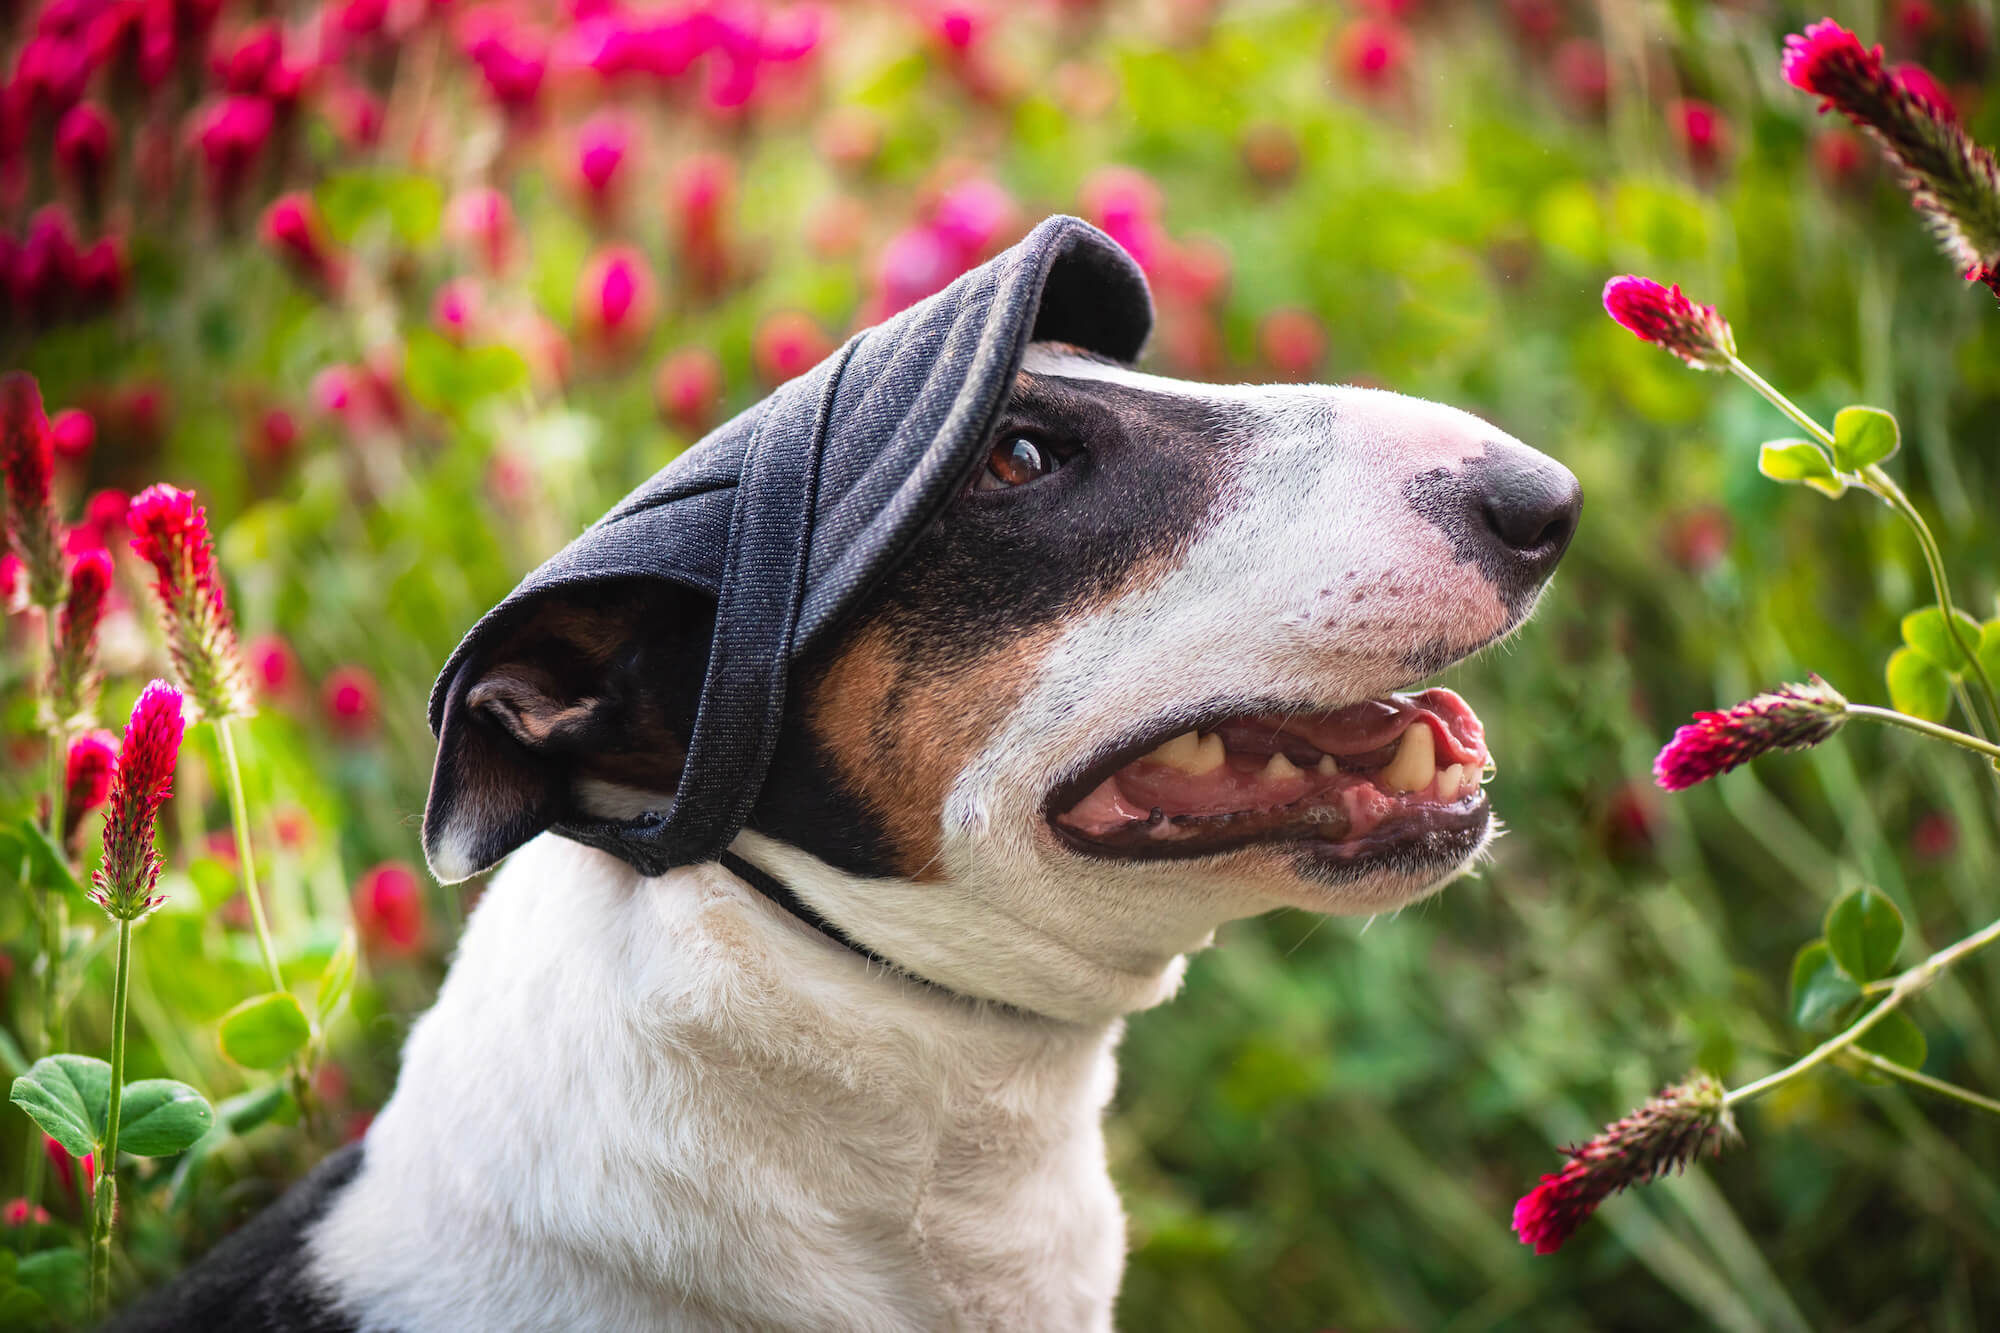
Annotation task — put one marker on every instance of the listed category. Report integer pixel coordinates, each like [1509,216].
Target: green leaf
[1820,990]
[1988,651]
[60,1277]
[1863,932]
[1925,631]
[160,1117]
[265,1031]
[350,201]
[1896,1039]
[448,379]
[1917,685]
[69,1096]
[1799,463]
[47,865]
[247,1110]
[1863,435]
[336,978]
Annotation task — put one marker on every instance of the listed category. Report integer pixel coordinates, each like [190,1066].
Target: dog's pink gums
[1328,776]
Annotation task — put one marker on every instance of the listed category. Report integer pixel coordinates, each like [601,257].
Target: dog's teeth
[1327,768]
[1190,752]
[1450,778]
[1415,763]
[1279,769]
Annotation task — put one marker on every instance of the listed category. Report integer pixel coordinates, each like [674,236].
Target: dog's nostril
[1533,509]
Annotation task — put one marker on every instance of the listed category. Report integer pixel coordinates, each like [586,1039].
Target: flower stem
[1905,985]
[239,815]
[106,1196]
[1931,729]
[1884,488]
[54,920]
[1923,1080]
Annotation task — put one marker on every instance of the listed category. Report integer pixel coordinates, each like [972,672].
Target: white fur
[664,1103]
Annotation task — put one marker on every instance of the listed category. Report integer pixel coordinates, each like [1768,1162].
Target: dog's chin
[1392,868]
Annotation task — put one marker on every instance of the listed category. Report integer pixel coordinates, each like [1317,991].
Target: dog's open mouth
[1403,768]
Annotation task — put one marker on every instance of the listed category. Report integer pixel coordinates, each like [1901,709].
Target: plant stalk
[106,1195]
[1925,728]
[1923,1080]
[1906,984]
[239,816]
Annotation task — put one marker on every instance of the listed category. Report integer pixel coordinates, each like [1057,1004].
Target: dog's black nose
[1512,510]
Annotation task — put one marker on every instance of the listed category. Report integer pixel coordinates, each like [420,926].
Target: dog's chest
[674,1111]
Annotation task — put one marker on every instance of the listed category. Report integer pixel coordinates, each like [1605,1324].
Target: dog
[1137,678]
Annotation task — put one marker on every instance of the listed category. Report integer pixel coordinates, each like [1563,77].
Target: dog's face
[1139,679]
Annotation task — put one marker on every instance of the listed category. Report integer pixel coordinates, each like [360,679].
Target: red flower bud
[603,142]
[617,299]
[482,220]
[1790,717]
[349,697]
[971,217]
[698,199]
[170,532]
[915,263]
[1702,132]
[71,433]
[276,436]
[1838,157]
[273,668]
[688,388]
[1371,55]
[787,345]
[141,781]
[231,133]
[87,776]
[389,909]
[1583,76]
[73,676]
[1664,317]
[1125,203]
[100,274]
[455,311]
[292,229]
[28,459]
[16,1213]
[1293,342]
[83,152]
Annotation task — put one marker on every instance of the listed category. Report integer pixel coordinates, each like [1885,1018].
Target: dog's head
[1140,677]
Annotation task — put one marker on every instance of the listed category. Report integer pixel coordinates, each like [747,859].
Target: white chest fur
[647,1104]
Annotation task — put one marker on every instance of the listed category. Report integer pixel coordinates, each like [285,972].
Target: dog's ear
[582,706]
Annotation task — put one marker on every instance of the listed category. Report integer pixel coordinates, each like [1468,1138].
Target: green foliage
[1801,462]
[69,1096]
[1863,932]
[265,1031]
[1864,435]
[1917,685]
[1924,630]
[1821,988]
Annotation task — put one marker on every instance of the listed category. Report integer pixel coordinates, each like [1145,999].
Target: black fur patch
[255,1281]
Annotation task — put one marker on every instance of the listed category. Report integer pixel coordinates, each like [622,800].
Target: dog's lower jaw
[644,1104]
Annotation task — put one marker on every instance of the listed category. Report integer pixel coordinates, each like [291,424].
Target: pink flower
[1197,270]
[1664,317]
[698,199]
[971,218]
[77,1175]
[787,345]
[1702,132]
[1536,22]
[915,263]
[170,533]
[617,298]
[100,274]
[83,151]
[16,1213]
[73,680]
[688,388]
[1838,157]
[1371,56]
[10,583]
[350,700]
[87,776]
[231,133]
[245,67]
[455,311]
[28,459]
[1791,717]
[602,144]
[482,220]
[1922,85]
[277,434]
[45,269]
[356,114]
[512,56]
[293,231]
[1953,182]
[273,667]
[1665,1134]
[71,433]
[1293,342]
[389,909]
[957,28]
[104,514]
[141,781]
[1126,203]
[1583,76]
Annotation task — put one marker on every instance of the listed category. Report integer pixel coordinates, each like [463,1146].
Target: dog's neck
[1054,954]
[624,1078]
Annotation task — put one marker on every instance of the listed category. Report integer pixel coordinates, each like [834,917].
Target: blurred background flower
[408,293]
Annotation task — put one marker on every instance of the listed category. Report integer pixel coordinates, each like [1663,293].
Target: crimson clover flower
[87,776]
[27,456]
[1790,717]
[170,532]
[73,679]
[1663,316]
[1953,181]
[1665,1134]
[141,781]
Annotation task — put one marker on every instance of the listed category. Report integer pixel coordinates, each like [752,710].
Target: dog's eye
[1015,461]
